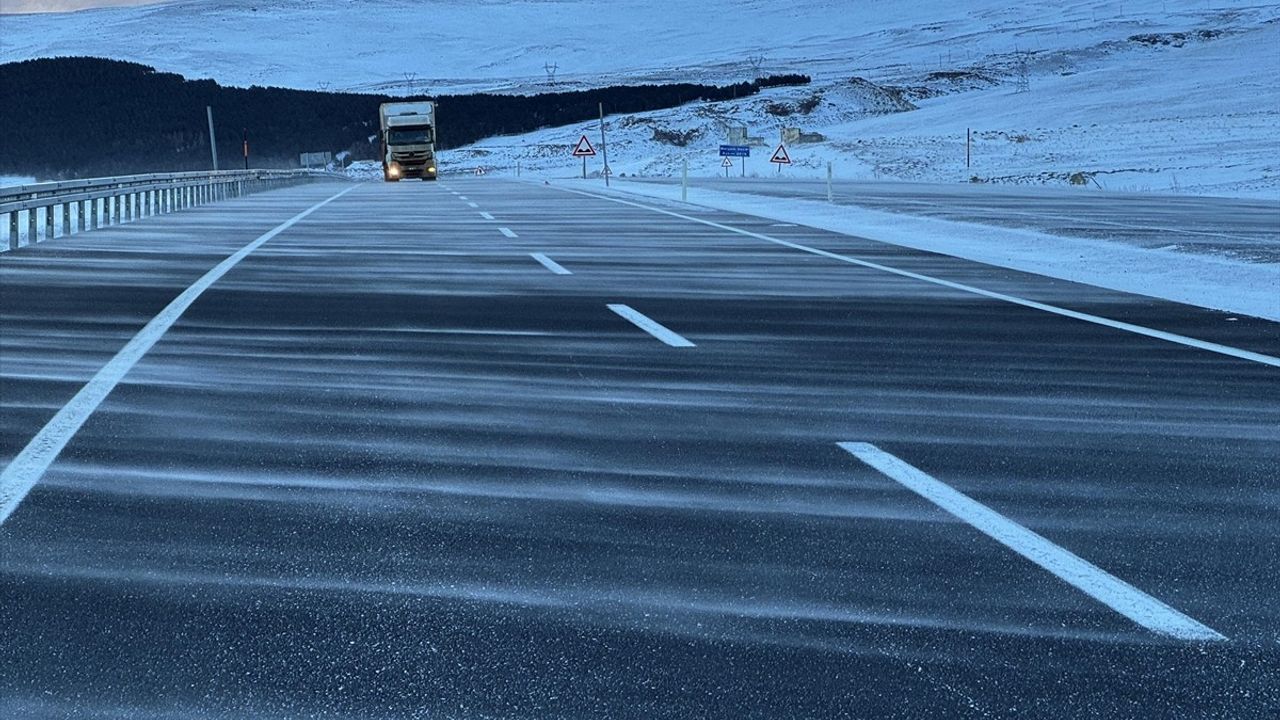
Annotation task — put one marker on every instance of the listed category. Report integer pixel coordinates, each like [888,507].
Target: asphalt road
[1236,228]
[405,460]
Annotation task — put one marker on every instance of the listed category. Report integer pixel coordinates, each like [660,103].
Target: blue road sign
[735,151]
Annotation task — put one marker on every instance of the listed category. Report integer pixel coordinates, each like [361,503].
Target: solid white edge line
[486,216]
[1090,579]
[507,232]
[650,326]
[550,264]
[1013,299]
[26,469]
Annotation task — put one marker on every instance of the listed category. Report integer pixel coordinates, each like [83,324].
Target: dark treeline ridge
[81,117]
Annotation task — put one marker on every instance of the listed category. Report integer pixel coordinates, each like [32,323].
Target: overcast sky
[30,6]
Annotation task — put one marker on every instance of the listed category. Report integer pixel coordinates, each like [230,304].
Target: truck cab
[408,140]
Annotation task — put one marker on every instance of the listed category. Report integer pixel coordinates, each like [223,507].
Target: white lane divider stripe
[1013,299]
[550,264]
[1071,568]
[507,232]
[25,470]
[463,197]
[650,326]
[471,204]
[486,216]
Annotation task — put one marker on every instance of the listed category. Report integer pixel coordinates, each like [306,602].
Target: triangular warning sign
[584,148]
[727,162]
[780,156]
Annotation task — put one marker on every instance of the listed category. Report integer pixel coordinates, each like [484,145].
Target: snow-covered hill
[1202,117]
[1140,94]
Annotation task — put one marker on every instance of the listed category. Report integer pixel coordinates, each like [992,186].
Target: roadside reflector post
[684,181]
[604,149]
[213,142]
[829,195]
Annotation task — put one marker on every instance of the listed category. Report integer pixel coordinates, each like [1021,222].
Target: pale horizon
[22,7]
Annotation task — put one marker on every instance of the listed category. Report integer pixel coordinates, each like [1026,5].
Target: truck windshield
[409,136]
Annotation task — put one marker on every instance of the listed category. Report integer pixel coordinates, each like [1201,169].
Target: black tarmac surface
[391,466]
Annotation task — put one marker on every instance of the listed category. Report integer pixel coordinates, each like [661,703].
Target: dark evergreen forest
[82,117]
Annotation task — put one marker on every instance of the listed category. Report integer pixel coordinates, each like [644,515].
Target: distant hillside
[69,117]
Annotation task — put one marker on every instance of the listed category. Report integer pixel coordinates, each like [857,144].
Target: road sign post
[726,164]
[584,150]
[780,157]
[735,151]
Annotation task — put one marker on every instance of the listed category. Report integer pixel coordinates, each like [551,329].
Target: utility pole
[604,150]
[213,141]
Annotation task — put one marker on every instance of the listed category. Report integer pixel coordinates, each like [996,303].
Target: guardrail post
[48,222]
[80,215]
[66,219]
[33,218]
[13,230]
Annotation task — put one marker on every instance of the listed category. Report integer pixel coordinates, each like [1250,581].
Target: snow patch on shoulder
[1208,282]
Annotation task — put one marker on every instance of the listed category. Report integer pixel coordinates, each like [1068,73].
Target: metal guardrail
[99,202]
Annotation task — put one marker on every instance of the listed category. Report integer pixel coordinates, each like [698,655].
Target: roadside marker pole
[829,197]
[968,142]
[604,149]
[213,143]
[684,181]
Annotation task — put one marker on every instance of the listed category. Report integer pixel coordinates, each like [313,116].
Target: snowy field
[1149,95]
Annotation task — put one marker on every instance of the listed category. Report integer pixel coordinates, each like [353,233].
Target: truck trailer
[408,140]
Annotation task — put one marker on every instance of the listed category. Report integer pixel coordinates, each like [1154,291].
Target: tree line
[82,117]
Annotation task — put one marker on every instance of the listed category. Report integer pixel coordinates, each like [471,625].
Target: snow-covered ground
[1203,118]
[1148,95]
[1219,283]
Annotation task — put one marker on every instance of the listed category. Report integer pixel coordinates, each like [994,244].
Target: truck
[408,132]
